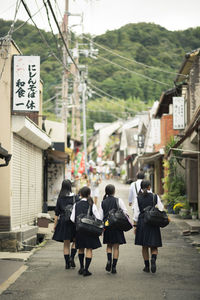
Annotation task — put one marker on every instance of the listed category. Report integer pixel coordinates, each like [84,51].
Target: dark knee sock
[154,256]
[81,260]
[114,262]
[146,262]
[87,263]
[109,256]
[73,252]
[66,256]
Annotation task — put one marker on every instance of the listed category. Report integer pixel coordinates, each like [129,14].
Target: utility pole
[65,72]
[84,88]
[76,117]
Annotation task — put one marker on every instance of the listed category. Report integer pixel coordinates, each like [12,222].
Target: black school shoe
[108,266]
[113,271]
[67,266]
[72,263]
[86,273]
[80,271]
[153,265]
[146,269]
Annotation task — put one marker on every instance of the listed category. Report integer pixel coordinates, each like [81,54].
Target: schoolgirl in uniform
[85,241]
[64,231]
[112,237]
[148,236]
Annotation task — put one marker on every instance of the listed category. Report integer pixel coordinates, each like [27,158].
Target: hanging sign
[140,142]
[178,113]
[26,83]
[155,131]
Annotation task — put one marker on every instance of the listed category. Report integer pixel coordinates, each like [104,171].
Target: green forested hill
[145,43]
[149,44]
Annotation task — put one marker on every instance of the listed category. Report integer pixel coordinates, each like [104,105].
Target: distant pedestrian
[94,181]
[147,236]
[82,181]
[64,230]
[83,240]
[107,172]
[135,188]
[112,237]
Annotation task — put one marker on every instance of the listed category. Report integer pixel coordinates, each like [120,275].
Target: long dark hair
[85,193]
[145,184]
[66,188]
[109,190]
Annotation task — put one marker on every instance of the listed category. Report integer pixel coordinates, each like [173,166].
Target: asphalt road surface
[177,276]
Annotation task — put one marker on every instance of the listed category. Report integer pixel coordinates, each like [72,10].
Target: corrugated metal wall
[26,182]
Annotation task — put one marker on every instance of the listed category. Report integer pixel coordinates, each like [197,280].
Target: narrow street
[177,275]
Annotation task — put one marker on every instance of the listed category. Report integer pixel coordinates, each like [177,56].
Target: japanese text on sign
[26,83]
[178,113]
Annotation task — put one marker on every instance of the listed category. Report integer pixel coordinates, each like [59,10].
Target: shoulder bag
[117,219]
[68,210]
[153,216]
[89,224]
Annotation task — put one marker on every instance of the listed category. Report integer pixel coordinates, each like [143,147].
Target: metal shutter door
[32,184]
[39,180]
[24,182]
[16,194]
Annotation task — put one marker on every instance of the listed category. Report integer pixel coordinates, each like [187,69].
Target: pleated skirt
[147,235]
[64,231]
[113,236]
[87,241]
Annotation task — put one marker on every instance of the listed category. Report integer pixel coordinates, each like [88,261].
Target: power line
[48,100]
[132,60]
[102,111]
[24,23]
[47,13]
[53,14]
[8,37]
[110,97]
[126,69]
[43,38]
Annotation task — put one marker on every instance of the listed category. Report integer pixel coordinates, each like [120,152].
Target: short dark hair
[140,175]
[145,184]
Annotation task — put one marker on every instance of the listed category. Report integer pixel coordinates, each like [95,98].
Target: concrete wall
[167,131]
[5,133]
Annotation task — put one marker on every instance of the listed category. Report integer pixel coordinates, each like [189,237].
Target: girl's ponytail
[104,197]
[145,185]
[90,200]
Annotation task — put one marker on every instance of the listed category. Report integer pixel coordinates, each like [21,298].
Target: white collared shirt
[94,211]
[121,205]
[136,210]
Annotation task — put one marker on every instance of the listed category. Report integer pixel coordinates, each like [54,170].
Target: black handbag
[153,216]
[68,210]
[89,224]
[117,219]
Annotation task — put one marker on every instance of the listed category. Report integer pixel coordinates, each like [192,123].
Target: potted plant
[194,215]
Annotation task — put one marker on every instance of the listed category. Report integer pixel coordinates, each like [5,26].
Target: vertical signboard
[140,142]
[26,83]
[155,131]
[178,113]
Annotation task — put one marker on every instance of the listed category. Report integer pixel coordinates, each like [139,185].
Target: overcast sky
[102,15]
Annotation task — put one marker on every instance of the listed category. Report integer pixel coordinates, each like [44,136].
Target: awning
[165,101]
[28,130]
[57,155]
[186,66]
[194,125]
[150,157]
